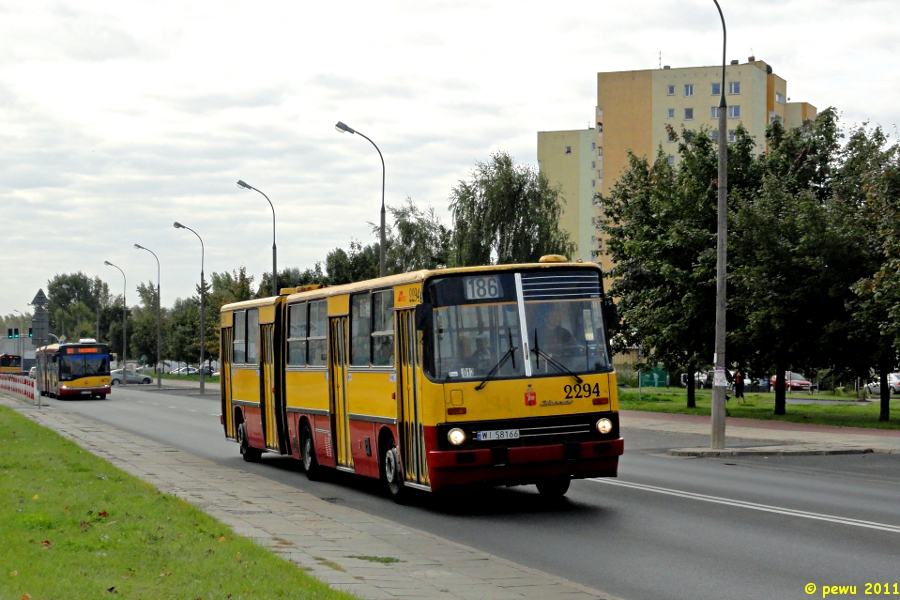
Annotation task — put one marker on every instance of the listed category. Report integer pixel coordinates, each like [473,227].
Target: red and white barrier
[19,385]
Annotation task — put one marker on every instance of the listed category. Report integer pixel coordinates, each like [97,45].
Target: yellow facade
[634,112]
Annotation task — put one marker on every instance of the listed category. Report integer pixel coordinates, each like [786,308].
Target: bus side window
[383,334]
[318,328]
[360,329]
[252,336]
[297,316]
[240,337]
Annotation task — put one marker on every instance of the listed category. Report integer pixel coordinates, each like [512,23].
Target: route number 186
[483,288]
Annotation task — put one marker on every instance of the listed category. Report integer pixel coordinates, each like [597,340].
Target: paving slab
[312,532]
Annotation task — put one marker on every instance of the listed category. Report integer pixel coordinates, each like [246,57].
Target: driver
[556,336]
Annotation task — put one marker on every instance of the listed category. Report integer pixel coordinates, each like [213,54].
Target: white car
[874,387]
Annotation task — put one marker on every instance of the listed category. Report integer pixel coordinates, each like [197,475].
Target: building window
[779,97]
[714,134]
[713,112]
[688,90]
[671,160]
[297,327]
[734,87]
[600,173]
[600,152]
[672,136]
[670,90]
[593,164]
[593,145]
[716,89]
[689,114]
[671,113]
[734,111]
[731,136]
[568,149]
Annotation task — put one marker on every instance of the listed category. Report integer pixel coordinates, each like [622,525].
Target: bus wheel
[308,454]
[101,396]
[393,474]
[554,487]
[249,454]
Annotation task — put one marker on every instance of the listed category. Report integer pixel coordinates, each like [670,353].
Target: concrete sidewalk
[317,535]
[781,437]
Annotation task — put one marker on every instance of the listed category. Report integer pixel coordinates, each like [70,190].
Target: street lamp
[158,319]
[343,128]
[717,438]
[202,306]
[247,186]
[124,316]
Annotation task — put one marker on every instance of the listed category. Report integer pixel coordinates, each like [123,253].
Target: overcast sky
[118,118]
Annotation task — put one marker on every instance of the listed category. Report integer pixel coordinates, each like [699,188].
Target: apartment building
[633,111]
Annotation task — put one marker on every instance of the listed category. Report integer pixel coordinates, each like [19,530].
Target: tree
[291,277]
[65,292]
[662,223]
[416,240]
[144,318]
[359,264]
[505,213]
[184,330]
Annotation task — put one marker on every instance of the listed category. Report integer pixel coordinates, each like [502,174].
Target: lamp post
[158,319]
[202,306]
[124,323]
[242,184]
[20,343]
[717,438]
[343,128]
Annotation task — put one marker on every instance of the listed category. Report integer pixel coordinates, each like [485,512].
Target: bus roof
[400,279]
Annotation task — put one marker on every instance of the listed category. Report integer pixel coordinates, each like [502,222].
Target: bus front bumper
[524,465]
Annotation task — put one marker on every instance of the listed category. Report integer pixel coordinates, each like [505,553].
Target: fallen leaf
[102,513]
[46,544]
[112,590]
[66,507]
[166,574]
[35,497]
[26,596]
[238,554]
[126,575]
[222,539]
[14,573]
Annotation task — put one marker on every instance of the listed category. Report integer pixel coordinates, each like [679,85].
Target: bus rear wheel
[393,474]
[308,454]
[247,452]
[554,487]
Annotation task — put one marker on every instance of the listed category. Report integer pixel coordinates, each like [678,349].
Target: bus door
[267,385]
[227,356]
[409,400]
[337,366]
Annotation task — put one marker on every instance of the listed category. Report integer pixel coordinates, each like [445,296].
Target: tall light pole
[720,385]
[202,306]
[158,320]
[247,186]
[124,322]
[20,343]
[342,128]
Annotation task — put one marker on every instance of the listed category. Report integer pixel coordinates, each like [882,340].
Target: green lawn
[74,526]
[762,406]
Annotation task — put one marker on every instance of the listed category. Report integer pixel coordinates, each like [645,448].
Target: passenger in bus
[556,336]
[481,358]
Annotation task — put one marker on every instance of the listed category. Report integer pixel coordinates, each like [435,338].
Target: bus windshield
[478,319]
[10,360]
[83,365]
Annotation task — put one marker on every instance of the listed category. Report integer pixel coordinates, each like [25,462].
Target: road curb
[792,450]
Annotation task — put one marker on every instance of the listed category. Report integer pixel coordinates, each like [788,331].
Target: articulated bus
[430,379]
[74,370]
[11,363]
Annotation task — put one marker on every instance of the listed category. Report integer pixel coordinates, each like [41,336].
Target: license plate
[498,434]
[85,392]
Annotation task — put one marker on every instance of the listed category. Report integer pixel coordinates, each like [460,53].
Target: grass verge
[762,406]
[209,378]
[76,527]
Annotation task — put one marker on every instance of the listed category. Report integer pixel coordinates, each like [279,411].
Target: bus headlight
[456,436]
[604,425]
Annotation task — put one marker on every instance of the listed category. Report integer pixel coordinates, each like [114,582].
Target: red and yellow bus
[11,363]
[430,379]
[74,370]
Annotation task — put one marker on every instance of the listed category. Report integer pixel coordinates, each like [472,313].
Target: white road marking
[753,506]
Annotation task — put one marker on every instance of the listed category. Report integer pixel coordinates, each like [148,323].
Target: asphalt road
[667,528]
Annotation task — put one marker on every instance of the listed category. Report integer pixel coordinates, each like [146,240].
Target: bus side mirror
[424,317]
[611,314]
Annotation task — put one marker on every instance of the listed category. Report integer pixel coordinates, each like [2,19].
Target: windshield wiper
[550,360]
[511,353]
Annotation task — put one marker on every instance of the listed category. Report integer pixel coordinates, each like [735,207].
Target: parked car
[184,371]
[32,372]
[130,377]
[793,381]
[208,370]
[873,387]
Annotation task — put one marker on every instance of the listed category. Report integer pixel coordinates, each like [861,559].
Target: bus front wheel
[247,452]
[554,487]
[393,474]
[308,454]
